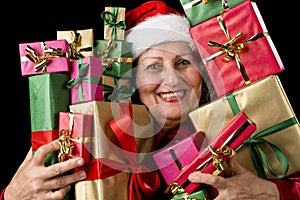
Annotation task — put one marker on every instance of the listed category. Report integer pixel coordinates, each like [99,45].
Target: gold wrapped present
[114,23]
[277,138]
[81,42]
[122,137]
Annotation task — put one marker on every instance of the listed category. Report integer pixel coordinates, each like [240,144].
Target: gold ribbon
[231,48]
[42,60]
[66,141]
[104,55]
[75,52]
[220,155]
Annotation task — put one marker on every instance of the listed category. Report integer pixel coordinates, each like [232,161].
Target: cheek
[196,83]
[147,93]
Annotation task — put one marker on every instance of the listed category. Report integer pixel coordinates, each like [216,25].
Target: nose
[171,77]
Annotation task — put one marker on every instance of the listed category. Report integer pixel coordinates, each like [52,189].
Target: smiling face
[169,82]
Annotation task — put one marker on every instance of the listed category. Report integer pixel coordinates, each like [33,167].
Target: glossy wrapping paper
[83,40]
[78,128]
[117,56]
[267,105]
[170,160]
[109,174]
[53,53]
[114,23]
[232,62]
[198,11]
[85,82]
[232,136]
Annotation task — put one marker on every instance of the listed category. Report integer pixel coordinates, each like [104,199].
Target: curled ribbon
[110,19]
[220,155]
[41,61]
[75,51]
[231,48]
[66,141]
[106,62]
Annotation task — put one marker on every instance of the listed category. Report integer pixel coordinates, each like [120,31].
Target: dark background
[35,21]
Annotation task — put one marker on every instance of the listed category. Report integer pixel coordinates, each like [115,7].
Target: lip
[172,96]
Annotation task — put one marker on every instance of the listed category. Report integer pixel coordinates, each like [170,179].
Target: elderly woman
[170,84]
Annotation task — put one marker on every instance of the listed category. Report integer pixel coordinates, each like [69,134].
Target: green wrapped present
[198,11]
[48,96]
[116,57]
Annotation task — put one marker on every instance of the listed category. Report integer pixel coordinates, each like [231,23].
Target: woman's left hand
[243,184]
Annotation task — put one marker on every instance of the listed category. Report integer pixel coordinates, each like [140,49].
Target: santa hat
[153,23]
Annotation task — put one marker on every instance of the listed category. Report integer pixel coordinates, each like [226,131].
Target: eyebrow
[158,57]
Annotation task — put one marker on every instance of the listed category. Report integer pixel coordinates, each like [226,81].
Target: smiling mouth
[172,96]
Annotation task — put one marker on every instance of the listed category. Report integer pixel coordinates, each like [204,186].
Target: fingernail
[80,162]
[192,177]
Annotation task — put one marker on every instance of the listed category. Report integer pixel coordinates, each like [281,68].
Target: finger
[213,180]
[58,194]
[65,180]
[62,167]
[42,152]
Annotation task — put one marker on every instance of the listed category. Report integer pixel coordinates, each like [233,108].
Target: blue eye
[155,67]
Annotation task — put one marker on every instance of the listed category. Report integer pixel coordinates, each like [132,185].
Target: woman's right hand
[35,181]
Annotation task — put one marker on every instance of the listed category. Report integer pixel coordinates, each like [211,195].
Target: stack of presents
[80,93]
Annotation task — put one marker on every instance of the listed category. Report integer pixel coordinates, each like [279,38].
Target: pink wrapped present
[86,83]
[236,48]
[171,160]
[219,149]
[74,135]
[44,57]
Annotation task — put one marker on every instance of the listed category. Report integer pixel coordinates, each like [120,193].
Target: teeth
[172,95]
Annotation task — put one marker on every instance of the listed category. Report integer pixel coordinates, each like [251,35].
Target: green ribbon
[255,142]
[110,19]
[82,71]
[117,93]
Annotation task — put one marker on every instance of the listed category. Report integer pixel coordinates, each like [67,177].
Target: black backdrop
[33,21]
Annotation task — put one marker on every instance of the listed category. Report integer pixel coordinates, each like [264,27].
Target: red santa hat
[153,23]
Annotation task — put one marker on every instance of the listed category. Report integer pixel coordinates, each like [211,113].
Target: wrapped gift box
[85,80]
[170,160]
[219,149]
[236,48]
[267,105]
[74,135]
[116,57]
[198,195]
[81,42]
[122,137]
[114,23]
[44,57]
[48,97]
[200,10]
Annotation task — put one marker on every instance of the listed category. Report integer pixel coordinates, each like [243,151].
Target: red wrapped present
[44,57]
[219,149]
[85,80]
[74,135]
[236,48]
[170,160]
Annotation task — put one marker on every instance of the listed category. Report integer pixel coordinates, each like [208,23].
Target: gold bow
[42,60]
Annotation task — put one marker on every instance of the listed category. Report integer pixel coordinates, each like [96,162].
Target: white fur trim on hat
[158,29]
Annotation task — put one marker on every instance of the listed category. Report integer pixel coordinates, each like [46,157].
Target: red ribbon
[123,127]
